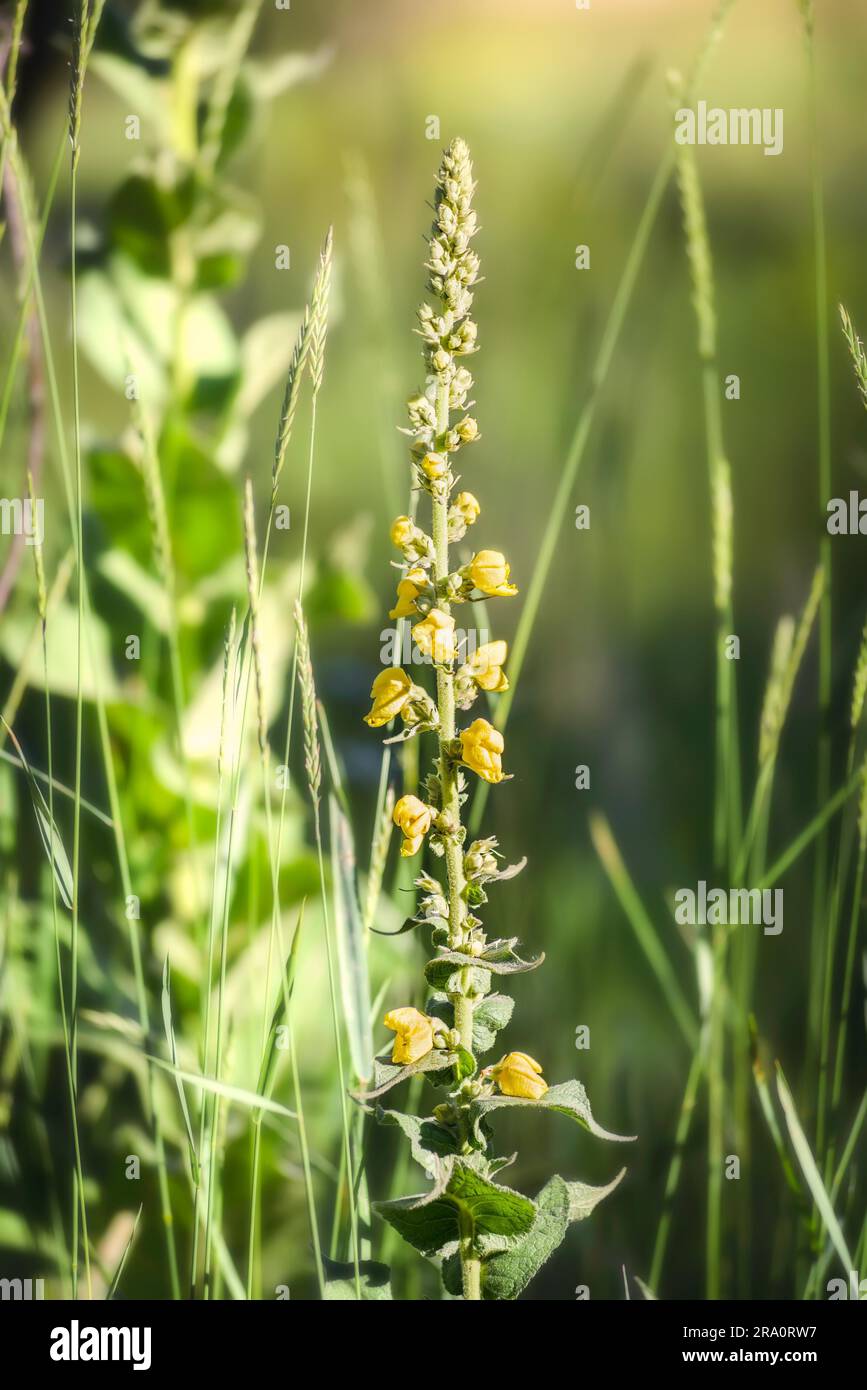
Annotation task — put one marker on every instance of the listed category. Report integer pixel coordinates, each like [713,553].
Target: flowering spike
[463,1015]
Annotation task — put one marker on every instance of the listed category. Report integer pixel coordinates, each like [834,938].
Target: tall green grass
[232,1090]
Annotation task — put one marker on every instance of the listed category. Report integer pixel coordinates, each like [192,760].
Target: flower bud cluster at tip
[447,331]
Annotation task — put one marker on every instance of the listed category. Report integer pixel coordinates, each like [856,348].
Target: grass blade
[118,1273]
[48,832]
[811,1173]
[234,1094]
[645,932]
[173,1053]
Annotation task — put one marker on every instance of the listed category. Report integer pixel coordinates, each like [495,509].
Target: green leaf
[428,1139]
[583,1198]
[446,972]
[269,77]
[97,674]
[209,350]
[222,243]
[126,328]
[570,1099]
[489,1018]
[387,1074]
[468,1205]
[142,216]
[409,925]
[498,959]
[123,571]
[502,948]
[142,92]
[266,351]
[465,1063]
[507,1273]
[238,118]
[375,1280]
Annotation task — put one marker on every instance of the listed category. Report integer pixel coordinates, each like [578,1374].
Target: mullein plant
[488,1239]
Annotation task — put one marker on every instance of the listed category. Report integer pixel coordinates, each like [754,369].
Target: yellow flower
[402,531]
[485,666]
[468,507]
[414,820]
[415,1034]
[389,692]
[516,1074]
[489,571]
[481,749]
[408,591]
[436,636]
[434,466]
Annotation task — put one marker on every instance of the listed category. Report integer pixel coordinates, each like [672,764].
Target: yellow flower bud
[481,749]
[435,637]
[415,1034]
[516,1074]
[389,692]
[434,466]
[414,820]
[402,531]
[408,591]
[468,507]
[485,667]
[489,571]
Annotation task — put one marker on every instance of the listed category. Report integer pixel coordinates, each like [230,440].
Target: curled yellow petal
[482,748]
[402,531]
[486,666]
[467,506]
[415,1034]
[518,1074]
[408,591]
[434,466]
[489,571]
[435,636]
[389,692]
[414,820]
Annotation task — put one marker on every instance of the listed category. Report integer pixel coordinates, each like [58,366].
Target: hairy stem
[451,810]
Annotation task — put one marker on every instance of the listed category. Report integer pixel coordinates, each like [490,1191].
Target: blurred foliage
[566,115]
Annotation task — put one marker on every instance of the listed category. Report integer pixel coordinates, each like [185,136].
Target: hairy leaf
[570,1098]
[507,1273]
[501,961]
[375,1280]
[469,1204]
[428,1139]
[387,1074]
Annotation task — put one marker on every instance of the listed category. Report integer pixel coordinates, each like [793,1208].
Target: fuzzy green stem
[471,1267]
[451,810]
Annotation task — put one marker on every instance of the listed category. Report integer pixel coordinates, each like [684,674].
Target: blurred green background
[566,113]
